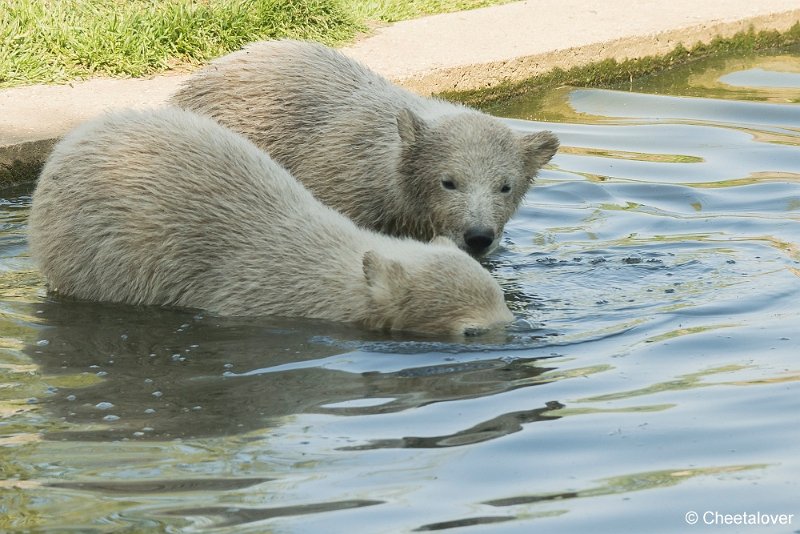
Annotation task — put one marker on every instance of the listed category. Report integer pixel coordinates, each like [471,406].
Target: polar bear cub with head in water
[166,207]
[391,160]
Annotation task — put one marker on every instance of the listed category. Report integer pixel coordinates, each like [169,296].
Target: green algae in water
[502,99]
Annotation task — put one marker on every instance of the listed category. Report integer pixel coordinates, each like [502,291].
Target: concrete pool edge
[32,118]
[517,68]
[613,70]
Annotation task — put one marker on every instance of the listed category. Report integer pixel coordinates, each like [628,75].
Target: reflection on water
[655,274]
[759,77]
[159,374]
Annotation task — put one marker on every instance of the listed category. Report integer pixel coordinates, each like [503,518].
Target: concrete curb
[481,76]
[451,52]
[32,118]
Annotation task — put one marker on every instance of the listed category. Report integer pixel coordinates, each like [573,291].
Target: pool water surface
[655,371]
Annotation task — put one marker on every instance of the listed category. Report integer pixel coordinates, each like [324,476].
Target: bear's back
[147,207]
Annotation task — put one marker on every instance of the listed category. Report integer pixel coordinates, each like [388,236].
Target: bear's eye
[505,189]
[448,184]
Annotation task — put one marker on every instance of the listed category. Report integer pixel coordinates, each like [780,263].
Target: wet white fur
[166,207]
[371,149]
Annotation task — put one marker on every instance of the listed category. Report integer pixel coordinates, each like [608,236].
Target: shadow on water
[162,374]
[505,424]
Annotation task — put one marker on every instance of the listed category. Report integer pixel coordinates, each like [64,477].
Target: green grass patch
[395,10]
[612,73]
[56,41]
[60,40]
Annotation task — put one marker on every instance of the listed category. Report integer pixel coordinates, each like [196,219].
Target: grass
[56,41]
[395,10]
[60,40]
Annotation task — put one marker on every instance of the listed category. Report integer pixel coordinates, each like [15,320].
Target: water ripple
[654,270]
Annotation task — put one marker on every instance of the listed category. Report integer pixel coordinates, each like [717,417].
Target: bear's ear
[410,126]
[537,150]
[443,241]
[382,272]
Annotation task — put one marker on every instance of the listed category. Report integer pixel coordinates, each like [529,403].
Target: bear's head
[465,174]
[441,291]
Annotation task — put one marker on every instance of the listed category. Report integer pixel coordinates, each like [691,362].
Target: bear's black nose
[478,239]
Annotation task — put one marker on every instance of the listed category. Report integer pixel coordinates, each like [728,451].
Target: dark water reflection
[162,374]
[655,272]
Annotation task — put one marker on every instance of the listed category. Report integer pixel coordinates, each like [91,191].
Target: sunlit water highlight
[655,268]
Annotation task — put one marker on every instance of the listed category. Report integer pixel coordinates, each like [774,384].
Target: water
[656,265]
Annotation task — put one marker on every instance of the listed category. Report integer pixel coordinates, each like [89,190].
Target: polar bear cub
[391,160]
[165,207]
